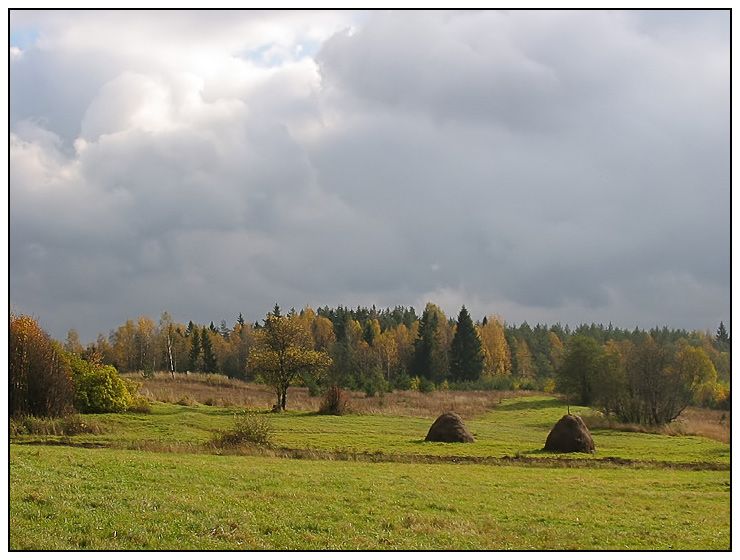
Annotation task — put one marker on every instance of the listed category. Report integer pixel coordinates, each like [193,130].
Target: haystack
[569,435]
[449,428]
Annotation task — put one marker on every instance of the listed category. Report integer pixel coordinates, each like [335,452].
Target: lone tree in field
[283,354]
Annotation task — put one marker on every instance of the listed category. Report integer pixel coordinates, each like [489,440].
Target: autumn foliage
[382,350]
[39,382]
[284,355]
[47,381]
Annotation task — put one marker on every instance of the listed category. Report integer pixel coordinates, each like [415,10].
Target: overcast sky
[569,166]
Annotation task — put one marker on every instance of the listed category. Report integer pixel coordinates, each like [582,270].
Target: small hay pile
[570,435]
[449,428]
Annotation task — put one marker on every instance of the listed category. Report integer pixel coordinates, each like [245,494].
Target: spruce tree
[722,338]
[466,354]
[422,361]
[194,353]
[431,348]
[209,358]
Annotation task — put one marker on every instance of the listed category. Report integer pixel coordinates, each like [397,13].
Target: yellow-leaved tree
[496,351]
[283,354]
[697,372]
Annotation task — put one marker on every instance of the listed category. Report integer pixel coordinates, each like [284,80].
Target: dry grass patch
[219,390]
[704,422]
[467,404]
[714,424]
[212,390]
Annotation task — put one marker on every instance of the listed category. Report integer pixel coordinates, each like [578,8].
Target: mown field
[366,480]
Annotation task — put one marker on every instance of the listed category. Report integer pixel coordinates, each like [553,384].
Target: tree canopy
[283,354]
[376,350]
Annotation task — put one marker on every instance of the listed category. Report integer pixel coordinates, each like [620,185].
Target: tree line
[378,350]
[637,376]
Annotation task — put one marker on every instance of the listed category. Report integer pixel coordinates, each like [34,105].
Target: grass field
[366,480]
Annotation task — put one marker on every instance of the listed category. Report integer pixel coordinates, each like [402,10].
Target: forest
[381,350]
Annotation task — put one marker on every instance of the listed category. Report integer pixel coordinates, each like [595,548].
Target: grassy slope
[73,498]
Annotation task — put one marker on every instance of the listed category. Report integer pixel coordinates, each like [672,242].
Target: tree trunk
[169,352]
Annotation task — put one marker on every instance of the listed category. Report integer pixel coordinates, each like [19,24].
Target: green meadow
[364,481]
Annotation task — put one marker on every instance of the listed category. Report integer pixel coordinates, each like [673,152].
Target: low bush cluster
[248,428]
[335,402]
[99,388]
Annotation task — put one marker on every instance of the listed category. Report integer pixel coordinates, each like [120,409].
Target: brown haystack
[449,428]
[569,435]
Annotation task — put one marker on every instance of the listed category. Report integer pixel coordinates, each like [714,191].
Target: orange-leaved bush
[39,381]
[334,402]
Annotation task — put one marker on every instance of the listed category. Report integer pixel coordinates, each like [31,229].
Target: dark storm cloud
[547,166]
[594,149]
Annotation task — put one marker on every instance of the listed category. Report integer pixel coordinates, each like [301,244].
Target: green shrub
[314,388]
[528,385]
[425,385]
[248,428]
[99,388]
[486,383]
[140,404]
[375,383]
[402,382]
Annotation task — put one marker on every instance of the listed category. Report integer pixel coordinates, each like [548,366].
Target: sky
[550,167]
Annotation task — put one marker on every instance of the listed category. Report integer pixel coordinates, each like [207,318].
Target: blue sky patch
[23,38]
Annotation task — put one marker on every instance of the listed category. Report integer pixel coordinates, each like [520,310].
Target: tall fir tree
[421,362]
[466,351]
[210,364]
[194,363]
[430,359]
[722,340]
